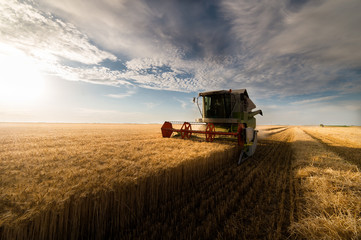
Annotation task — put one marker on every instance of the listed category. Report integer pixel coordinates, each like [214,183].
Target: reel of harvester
[247,143]
[230,110]
[210,132]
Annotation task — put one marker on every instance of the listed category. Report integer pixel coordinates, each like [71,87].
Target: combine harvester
[230,112]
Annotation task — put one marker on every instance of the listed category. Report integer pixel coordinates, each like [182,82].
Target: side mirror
[195,101]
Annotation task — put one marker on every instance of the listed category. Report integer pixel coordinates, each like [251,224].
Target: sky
[126,61]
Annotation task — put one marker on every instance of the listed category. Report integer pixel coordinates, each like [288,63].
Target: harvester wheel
[210,132]
[184,130]
[167,129]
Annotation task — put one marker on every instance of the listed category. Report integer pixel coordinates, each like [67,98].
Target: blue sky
[143,61]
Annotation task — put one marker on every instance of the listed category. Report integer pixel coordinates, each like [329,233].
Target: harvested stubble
[345,141]
[345,136]
[249,201]
[266,205]
[328,188]
[71,181]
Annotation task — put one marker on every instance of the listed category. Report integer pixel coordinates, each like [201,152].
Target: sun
[20,80]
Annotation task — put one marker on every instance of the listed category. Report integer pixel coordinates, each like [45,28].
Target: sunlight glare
[20,80]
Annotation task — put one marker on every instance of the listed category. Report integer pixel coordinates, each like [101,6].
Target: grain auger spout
[224,113]
[252,114]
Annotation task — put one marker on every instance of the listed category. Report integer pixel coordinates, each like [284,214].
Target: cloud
[181,46]
[92,74]
[121,95]
[290,49]
[315,100]
[338,113]
[274,48]
[253,23]
[326,31]
[263,31]
[353,106]
[176,74]
[150,105]
[55,46]
[63,49]
[183,103]
[156,28]
[42,34]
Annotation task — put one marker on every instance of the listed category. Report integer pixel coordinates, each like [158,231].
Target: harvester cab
[224,112]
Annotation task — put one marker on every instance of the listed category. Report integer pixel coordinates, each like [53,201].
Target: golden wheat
[345,141]
[101,181]
[54,177]
[342,136]
[329,192]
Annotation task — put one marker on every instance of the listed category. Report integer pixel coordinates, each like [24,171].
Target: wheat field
[55,177]
[116,181]
[327,169]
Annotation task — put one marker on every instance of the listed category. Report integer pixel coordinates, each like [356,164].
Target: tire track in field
[352,155]
[248,201]
[269,207]
[277,131]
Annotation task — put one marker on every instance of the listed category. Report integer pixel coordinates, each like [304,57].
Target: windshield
[217,106]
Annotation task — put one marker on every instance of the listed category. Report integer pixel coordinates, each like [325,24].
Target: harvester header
[225,113]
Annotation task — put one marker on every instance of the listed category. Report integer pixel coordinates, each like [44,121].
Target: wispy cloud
[92,74]
[150,105]
[294,48]
[184,104]
[326,31]
[315,100]
[274,48]
[42,34]
[121,95]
